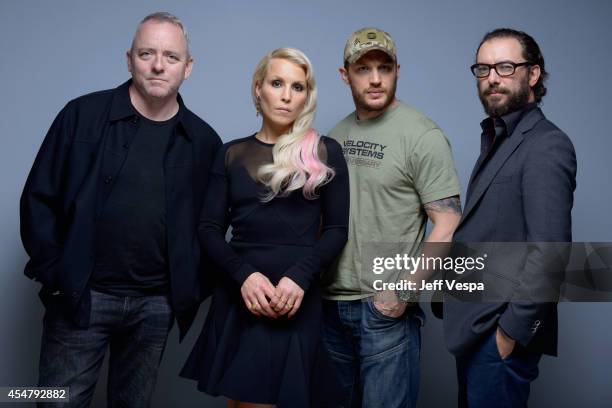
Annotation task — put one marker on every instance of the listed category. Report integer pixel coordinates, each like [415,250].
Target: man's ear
[128,55]
[534,75]
[344,75]
[188,68]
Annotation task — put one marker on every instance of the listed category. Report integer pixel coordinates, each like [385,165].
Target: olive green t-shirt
[397,162]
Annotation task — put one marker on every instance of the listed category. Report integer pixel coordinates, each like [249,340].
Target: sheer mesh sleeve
[214,222]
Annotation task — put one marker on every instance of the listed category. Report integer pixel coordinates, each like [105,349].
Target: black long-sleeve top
[288,236]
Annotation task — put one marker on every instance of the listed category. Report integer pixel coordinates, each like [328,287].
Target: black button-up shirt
[70,181]
[494,132]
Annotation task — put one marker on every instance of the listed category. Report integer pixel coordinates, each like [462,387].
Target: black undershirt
[131,249]
[495,131]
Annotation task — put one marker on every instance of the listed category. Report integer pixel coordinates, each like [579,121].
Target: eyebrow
[165,52]
[279,78]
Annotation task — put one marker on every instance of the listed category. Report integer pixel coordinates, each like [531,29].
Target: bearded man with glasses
[520,191]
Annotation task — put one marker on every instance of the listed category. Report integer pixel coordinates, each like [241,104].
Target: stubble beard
[362,104]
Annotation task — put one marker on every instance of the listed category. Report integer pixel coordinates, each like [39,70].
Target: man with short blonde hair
[164,17]
[108,218]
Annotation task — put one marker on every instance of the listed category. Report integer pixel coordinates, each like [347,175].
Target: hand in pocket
[505,344]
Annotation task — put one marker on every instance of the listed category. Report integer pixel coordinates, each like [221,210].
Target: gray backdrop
[52,52]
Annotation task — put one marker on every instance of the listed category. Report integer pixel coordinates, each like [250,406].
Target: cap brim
[353,58]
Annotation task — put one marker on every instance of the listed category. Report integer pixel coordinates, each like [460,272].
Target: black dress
[257,359]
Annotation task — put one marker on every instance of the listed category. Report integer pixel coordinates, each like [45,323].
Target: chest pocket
[506,191]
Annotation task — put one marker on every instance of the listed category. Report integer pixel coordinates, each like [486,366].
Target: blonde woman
[284,191]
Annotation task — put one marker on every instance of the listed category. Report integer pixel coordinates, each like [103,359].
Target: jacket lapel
[477,167]
[498,160]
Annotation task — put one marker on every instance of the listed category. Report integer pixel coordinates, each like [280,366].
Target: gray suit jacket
[524,194]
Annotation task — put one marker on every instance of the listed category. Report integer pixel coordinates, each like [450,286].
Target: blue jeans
[135,328]
[487,381]
[376,357]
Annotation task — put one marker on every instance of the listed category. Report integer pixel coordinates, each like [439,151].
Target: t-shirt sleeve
[432,167]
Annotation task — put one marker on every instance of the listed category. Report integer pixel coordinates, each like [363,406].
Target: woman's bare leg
[241,404]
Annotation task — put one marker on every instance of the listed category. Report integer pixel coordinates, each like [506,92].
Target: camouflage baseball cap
[368,39]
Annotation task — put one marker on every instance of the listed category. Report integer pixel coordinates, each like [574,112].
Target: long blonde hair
[296,163]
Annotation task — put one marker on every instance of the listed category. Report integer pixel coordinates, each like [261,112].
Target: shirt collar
[122,108]
[508,121]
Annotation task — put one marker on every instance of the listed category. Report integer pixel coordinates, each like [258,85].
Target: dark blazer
[71,178]
[523,194]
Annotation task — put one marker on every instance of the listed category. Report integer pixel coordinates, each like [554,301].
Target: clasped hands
[262,298]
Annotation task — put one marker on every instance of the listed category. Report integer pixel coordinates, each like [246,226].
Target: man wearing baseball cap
[401,173]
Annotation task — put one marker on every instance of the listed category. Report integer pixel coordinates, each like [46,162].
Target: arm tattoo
[445,205]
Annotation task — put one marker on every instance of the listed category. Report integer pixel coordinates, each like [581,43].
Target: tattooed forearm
[446,205]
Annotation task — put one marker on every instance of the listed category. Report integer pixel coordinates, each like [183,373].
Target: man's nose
[158,63]
[375,78]
[493,77]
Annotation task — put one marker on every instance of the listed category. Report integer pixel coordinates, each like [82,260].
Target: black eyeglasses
[503,68]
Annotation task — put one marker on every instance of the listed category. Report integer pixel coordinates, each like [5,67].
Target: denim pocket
[378,314]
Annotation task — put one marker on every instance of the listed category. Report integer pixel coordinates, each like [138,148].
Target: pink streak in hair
[310,164]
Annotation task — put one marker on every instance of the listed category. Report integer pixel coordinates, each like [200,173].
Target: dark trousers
[487,381]
[135,329]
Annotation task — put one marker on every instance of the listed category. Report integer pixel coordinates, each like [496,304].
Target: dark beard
[516,101]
